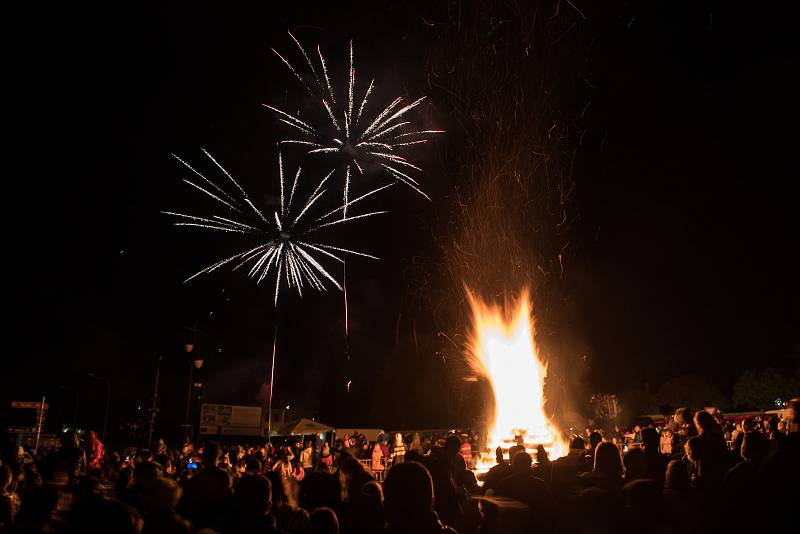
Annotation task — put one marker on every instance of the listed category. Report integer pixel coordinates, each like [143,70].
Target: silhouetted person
[656,462]
[544,467]
[684,429]
[778,479]
[522,486]
[289,516]
[519,446]
[409,498]
[323,521]
[71,458]
[748,425]
[36,512]
[368,517]
[565,470]
[253,502]
[740,484]
[497,472]
[354,502]
[105,516]
[320,488]
[160,500]
[635,464]
[595,439]
[208,496]
[644,507]
[679,497]
[714,459]
[443,471]
[607,471]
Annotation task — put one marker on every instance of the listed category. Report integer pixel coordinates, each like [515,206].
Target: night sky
[684,246]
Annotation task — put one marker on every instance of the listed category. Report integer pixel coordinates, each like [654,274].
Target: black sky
[686,242]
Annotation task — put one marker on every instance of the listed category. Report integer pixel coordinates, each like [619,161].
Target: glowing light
[503,352]
[349,136]
[285,246]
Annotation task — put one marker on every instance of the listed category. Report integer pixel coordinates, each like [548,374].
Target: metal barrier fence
[380,473]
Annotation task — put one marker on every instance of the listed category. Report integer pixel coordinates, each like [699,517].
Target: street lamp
[108,400]
[197,363]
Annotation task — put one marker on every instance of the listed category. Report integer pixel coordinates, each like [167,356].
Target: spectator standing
[522,486]
[208,497]
[253,500]
[308,456]
[377,458]
[607,471]
[325,456]
[409,500]
[498,472]
[656,462]
[398,449]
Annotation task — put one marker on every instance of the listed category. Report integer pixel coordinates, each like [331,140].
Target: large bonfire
[503,352]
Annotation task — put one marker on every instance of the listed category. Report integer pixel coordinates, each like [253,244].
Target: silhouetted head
[595,439]
[280,497]
[370,517]
[755,446]
[683,416]
[705,422]
[323,521]
[352,475]
[541,455]
[452,445]
[211,455]
[635,464]
[408,494]
[148,472]
[161,495]
[521,462]
[607,460]
[498,455]
[253,495]
[693,448]
[677,478]
[650,439]
[252,465]
[577,443]
[71,439]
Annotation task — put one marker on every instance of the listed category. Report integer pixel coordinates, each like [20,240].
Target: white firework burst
[287,249]
[357,140]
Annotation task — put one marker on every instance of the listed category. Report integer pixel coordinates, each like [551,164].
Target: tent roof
[303,427]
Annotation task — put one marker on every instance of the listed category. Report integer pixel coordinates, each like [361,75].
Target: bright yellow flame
[502,350]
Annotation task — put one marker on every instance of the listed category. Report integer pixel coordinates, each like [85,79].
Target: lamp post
[197,363]
[108,400]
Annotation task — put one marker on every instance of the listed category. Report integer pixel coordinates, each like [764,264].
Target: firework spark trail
[288,248]
[360,144]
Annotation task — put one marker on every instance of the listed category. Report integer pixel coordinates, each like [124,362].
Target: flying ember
[503,352]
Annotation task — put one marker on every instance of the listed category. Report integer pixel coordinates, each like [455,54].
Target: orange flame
[502,350]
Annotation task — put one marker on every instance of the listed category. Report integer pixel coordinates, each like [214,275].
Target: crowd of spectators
[698,473]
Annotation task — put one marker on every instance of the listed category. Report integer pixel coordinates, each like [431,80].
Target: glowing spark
[286,245]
